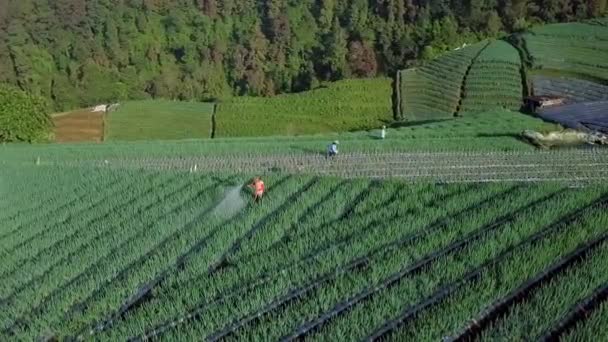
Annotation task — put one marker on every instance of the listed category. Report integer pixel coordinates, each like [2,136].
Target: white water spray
[231,204]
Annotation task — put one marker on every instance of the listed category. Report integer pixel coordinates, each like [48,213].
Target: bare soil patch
[79,126]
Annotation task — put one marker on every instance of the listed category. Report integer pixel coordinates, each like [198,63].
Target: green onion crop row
[323,306]
[27,204]
[591,329]
[166,252]
[115,261]
[25,225]
[36,269]
[465,298]
[355,261]
[544,309]
[71,224]
[370,313]
[338,254]
[347,255]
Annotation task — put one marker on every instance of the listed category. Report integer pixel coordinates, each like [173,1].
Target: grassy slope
[434,90]
[159,119]
[494,80]
[578,49]
[341,106]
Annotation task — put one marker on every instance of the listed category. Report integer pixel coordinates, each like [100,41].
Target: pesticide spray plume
[231,203]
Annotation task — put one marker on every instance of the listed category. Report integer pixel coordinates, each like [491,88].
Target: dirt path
[566,165]
[79,126]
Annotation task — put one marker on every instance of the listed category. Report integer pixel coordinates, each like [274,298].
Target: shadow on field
[515,136]
[320,151]
[501,135]
[414,123]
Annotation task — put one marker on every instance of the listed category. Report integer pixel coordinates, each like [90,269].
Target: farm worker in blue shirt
[332,149]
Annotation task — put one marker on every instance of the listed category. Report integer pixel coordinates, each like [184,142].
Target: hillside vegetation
[434,90]
[494,80]
[159,119]
[578,49]
[350,105]
[492,75]
[23,117]
[78,53]
[477,78]
[341,106]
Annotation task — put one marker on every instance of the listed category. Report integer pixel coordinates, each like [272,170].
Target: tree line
[81,52]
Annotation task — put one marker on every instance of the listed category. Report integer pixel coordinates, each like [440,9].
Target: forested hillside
[81,52]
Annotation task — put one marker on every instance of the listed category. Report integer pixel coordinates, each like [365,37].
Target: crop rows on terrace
[570,165]
[573,48]
[319,258]
[494,80]
[341,106]
[491,131]
[434,90]
[159,119]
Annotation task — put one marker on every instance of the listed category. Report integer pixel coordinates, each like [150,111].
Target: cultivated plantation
[350,105]
[297,192]
[434,91]
[160,119]
[79,126]
[129,253]
[581,49]
[494,80]
[479,78]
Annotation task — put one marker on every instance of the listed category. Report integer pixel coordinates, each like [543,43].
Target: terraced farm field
[160,119]
[494,80]
[79,126]
[347,105]
[484,132]
[435,90]
[577,49]
[110,252]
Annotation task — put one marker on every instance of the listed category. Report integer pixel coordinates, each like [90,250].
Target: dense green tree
[23,117]
[81,52]
[334,52]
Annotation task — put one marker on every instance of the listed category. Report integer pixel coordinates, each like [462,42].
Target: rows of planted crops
[573,48]
[117,254]
[494,80]
[434,90]
[478,78]
[347,105]
[491,131]
[573,165]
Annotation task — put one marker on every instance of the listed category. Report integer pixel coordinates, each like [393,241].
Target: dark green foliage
[80,53]
[23,117]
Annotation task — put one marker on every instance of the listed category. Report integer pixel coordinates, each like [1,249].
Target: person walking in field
[332,149]
[383,133]
[258,189]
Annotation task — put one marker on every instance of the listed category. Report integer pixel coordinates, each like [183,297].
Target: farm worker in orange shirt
[258,188]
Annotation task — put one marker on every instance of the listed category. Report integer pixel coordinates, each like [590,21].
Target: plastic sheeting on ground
[590,115]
